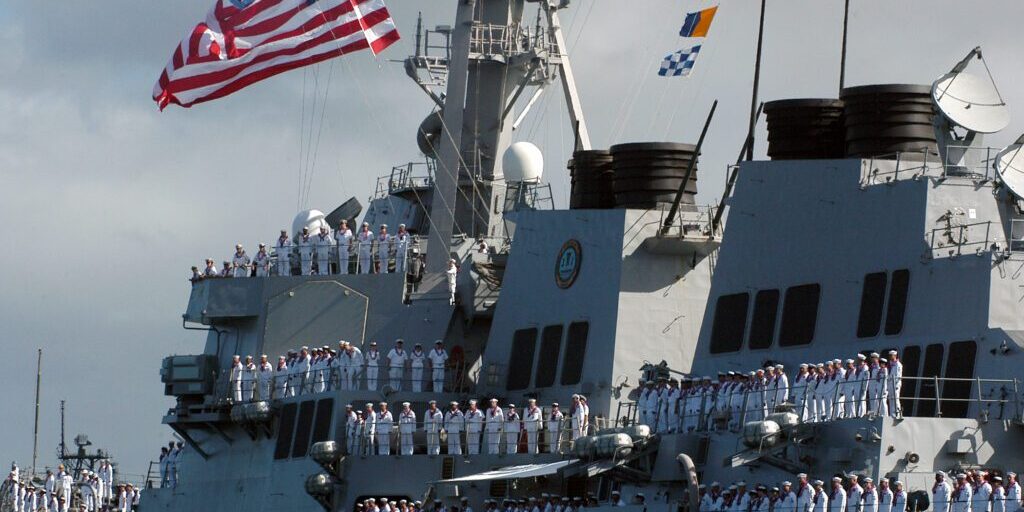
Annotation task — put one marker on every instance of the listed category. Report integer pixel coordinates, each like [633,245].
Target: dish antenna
[971,101]
[1010,166]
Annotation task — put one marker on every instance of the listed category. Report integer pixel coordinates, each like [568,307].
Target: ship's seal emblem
[567,267]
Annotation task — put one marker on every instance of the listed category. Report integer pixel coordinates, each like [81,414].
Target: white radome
[523,163]
[311,219]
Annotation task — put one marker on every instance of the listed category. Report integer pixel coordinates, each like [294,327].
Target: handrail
[958,236]
[925,163]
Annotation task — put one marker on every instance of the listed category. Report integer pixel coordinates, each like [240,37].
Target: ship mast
[490,58]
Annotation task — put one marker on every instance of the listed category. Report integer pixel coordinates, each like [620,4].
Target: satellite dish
[1010,166]
[971,102]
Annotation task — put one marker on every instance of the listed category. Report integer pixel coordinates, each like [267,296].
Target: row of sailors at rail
[95,492]
[546,503]
[369,431]
[971,493]
[325,369]
[823,392]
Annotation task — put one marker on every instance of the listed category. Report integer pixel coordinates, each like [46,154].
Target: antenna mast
[757,81]
[35,429]
[842,56]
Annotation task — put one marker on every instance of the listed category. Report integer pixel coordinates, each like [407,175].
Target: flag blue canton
[679,63]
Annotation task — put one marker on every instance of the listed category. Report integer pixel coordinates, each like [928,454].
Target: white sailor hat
[531,400]
[399,340]
[731,374]
[861,357]
[868,480]
[511,406]
[1011,473]
[837,361]
[801,475]
[432,402]
[715,484]
[284,231]
[640,494]
[384,225]
[614,493]
[822,365]
[401,225]
[893,352]
[472,402]
[348,406]
[849,361]
[238,246]
[769,368]
[554,404]
[707,378]
[731,487]
[779,367]
[960,476]
[787,482]
[494,400]
[373,343]
[438,342]
[453,402]
[383,404]
[818,482]
[366,223]
[741,483]
[898,483]
[406,404]
[804,365]
[262,244]
[940,473]
[304,347]
[997,479]
[874,355]
[837,479]
[369,405]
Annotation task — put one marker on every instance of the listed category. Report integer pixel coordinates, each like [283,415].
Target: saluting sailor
[283,249]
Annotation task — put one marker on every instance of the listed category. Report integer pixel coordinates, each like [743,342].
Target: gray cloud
[107,201]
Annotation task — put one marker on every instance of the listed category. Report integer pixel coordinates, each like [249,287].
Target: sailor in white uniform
[982,494]
[373,358]
[305,243]
[264,377]
[384,244]
[870,496]
[837,499]
[513,426]
[804,494]
[369,429]
[802,392]
[855,496]
[438,358]
[240,262]
[942,492]
[397,358]
[235,377]
[365,240]
[998,495]
[248,379]
[453,277]
[406,429]
[577,414]
[261,262]
[962,494]
[384,422]
[555,424]
[343,239]
[899,498]
[417,361]
[495,421]
[474,426]
[281,378]
[820,497]
[885,496]
[351,424]
[323,242]
[283,250]
[401,248]
[895,384]
[878,392]
[355,364]
[532,422]
[433,422]
[300,373]
[454,424]
[787,498]
[1013,492]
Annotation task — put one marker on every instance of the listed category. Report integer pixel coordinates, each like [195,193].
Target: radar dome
[523,162]
[311,219]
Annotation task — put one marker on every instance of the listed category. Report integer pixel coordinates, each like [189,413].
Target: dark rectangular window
[302,429]
[729,323]
[285,430]
[762,324]
[547,361]
[575,349]
[322,425]
[872,300]
[799,315]
[911,359]
[932,368]
[960,365]
[897,302]
[520,361]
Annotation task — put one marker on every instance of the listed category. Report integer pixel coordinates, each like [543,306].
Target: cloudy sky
[106,202]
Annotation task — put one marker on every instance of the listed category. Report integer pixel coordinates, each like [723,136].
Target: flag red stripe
[222,75]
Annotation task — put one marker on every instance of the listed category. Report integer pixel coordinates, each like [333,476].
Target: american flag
[244,41]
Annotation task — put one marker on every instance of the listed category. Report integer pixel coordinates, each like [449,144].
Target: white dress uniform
[262,263]
[741,503]
[804,497]
[384,423]
[941,494]
[452,274]
[837,500]
[998,500]
[406,429]
[474,425]
[855,498]
[301,383]
[433,421]
[305,243]
[961,501]
[554,435]
[644,404]
[495,421]
[513,426]
[851,389]
[320,369]
[384,244]
[981,501]
[885,500]
[396,367]
[801,395]
[235,378]
[265,377]
[899,501]
[417,360]
[532,420]
[864,378]
[1013,495]
[579,421]
[66,482]
[106,479]
[248,381]
[372,368]
[870,500]
[240,262]
[323,242]
[820,502]
[781,388]
[365,240]
[343,239]
[284,251]
[402,239]
[355,362]
[454,424]
[352,432]
[878,392]
[281,380]
[438,358]
[895,384]
[369,428]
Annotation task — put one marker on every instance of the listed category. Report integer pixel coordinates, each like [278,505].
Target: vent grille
[447,468]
